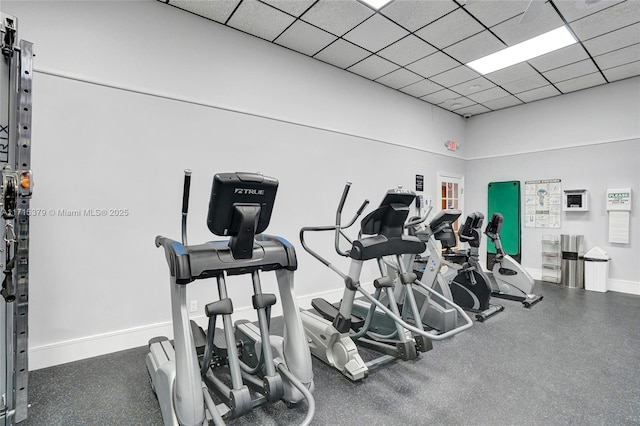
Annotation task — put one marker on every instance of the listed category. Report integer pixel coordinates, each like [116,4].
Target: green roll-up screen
[504,198]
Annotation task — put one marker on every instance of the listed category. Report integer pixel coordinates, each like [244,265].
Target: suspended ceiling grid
[420,47]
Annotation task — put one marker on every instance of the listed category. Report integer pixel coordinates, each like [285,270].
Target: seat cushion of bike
[379,246]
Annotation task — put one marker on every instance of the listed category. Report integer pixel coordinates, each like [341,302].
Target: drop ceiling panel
[580,83]
[500,103]
[407,50]
[573,10]
[571,71]
[455,76]
[619,15]
[439,97]
[295,8]
[473,86]
[305,38]
[342,54]
[260,20]
[492,12]
[216,10]
[450,29]
[373,67]
[415,14]
[421,88]
[539,93]
[488,95]
[456,103]
[473,110]
[614,40]
[399,78]
[337,17]
[525,84]
[623,71]
[513,31]
[565,56]
[512,73]
[475,47]
[433,64]
[376,33]
[618,57]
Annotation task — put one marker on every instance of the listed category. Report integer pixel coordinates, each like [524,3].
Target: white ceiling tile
[260,20]
[439,97]
[513,31]
[422,88]
[619,15]
[407,50]
[488,95]
[506,102]
[456,103]
[582,82]
[566,55]
[450,29]
[217,10]
[337,16]
[618,57]
[571,71]
[572,10]
[399,78]
[512,73]
[375,33]
[614,40]
[373,67]
[475,47]
[293,7]
[305,38]
[473,86]
[492,12]
[539,93]
[623,71]
[525,84]
[342,54]
[472,110]
[455,76]
[415,14]
[433,64]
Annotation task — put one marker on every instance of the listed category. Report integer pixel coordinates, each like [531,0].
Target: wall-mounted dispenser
[575,200]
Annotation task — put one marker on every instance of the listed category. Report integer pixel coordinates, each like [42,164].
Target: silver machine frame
[15,155]
[336,346]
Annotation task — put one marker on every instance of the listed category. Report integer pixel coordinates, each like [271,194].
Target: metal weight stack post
[15,164]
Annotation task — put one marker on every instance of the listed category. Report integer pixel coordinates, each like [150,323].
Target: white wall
[127,95]
[590,140]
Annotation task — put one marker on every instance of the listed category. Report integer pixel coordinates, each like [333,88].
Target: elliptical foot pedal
[330,312]
[199,337]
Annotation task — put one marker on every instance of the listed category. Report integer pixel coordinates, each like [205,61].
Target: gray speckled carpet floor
[574,358]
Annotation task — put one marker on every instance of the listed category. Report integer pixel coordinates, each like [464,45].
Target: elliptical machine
[335,331]
[262,368]
[511,280]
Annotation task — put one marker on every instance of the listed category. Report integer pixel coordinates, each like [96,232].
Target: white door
[451,194]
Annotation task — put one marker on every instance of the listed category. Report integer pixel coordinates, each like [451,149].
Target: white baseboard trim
[623,286]
[101,344]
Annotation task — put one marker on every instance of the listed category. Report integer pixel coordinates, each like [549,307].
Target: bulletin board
[504,198]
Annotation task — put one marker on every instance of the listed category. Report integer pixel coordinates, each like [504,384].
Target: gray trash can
[572,266]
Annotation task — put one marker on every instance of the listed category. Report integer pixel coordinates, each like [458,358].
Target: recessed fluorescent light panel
[376,4]
[528,49]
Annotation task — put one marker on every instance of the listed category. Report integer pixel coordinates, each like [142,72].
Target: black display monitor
[236,198]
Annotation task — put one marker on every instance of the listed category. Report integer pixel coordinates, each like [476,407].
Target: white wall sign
[543,203]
